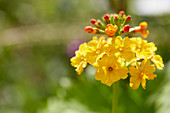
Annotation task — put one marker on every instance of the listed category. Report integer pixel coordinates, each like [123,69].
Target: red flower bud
[106,17]
[98,23]
[115,17]
[93,21]
[122,12]
[88,29]
[128,18]
[126,28]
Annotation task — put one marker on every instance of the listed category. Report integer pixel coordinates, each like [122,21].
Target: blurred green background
[37,39]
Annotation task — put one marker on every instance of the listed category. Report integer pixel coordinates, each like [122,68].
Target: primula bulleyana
[114,58]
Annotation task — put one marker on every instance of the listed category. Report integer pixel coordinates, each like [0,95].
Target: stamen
[110,69]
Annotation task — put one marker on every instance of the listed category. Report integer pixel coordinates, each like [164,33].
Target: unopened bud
[98,23]
[122,12]
[128,18]
[95,30]
[88,29]
[93,21]
[106,17]
[115,17]
[143,25]
[126,28]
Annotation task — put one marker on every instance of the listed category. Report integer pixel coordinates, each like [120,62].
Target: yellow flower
[110,69]
[142,48]
[147,50]
[156,59]
[140,74]
[79,62]
[121,47]
[124,48]
[95,49]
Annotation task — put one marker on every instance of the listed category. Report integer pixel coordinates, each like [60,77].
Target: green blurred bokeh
[37,39]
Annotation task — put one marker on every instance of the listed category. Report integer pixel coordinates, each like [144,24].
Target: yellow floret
[140,74]
[95,49]
[110,70]
[79,62]
[158,62]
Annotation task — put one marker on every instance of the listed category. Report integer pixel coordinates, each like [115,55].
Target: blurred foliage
[35,72]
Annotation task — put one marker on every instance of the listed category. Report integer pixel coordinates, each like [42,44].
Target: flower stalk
[115,97]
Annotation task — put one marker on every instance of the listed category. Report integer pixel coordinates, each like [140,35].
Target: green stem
[130,63]
[115,97]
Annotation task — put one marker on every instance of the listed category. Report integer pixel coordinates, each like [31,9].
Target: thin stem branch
[115,97]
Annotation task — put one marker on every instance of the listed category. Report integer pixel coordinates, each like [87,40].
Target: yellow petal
[158,62]
[81,47]
[134,83]
[122,72]
[152,46]
[75,61]
[80,68]
[127,42]
[151,76]
[143,83]
[128,55]
[133,71]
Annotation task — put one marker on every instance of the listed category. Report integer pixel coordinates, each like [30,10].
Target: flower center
[141,75]
[98,52]
[121,50]
[82,58]
[110,68]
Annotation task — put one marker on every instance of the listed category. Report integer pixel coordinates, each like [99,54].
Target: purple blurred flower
[73,46]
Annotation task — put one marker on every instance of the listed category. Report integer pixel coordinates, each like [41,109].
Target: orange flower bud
[144,33]
[88,29]
[143,25]
[111,30]
[141,29]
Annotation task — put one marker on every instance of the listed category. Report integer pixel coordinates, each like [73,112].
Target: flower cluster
[115,56]
[115,25]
